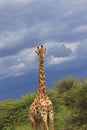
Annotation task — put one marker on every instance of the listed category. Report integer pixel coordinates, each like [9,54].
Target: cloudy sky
[60,25]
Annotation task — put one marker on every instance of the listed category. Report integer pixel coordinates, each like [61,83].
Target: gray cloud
[18,64]
[27,24]
[82,50]
[58,49]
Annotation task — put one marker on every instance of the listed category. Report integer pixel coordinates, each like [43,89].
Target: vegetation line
[69,97]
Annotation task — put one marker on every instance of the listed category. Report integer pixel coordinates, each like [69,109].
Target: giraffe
[42,108]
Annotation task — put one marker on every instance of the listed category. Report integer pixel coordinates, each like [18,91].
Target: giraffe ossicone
[41,108]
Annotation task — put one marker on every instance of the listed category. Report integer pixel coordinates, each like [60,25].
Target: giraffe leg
[33,123]
[41,126]
[51,118]
[44,121]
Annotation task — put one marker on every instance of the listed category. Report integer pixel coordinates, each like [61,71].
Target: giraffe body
[41,109]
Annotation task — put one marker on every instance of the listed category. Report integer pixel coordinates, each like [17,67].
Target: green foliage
[73,115]
[14,113]
[69,97]
[65,84]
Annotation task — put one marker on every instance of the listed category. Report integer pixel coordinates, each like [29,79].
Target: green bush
[69,97]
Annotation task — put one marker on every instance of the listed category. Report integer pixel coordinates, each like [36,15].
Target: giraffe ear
[36,52]
[45,50]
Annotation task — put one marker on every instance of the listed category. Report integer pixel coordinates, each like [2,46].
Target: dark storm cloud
[45,20]
[27,24]
[59,51]
[60,25]
[56,13]
[82,50]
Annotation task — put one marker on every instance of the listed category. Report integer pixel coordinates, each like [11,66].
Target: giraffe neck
[42,81]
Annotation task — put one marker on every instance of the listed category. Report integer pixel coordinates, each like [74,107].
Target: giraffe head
[41,51]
